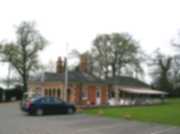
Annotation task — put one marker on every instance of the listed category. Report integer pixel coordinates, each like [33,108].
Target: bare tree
[115,53]
[23,53]
[161,71]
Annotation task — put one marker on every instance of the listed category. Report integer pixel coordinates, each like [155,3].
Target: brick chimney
[59,65]
[83,63]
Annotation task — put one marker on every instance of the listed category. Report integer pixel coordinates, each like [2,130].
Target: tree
[49,67]
[76,54]
[162,66]
[22,54]
[175,73]
[115,54]
[176,63]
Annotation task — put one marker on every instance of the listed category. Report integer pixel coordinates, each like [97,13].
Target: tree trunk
[24,75]
[24,80]
[106,72]
[113,70]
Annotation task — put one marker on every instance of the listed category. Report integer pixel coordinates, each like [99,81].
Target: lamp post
[66,75]
[66,79]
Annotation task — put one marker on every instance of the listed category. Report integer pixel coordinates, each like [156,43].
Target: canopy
[142,91]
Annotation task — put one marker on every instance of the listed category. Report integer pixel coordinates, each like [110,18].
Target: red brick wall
[104,94]
[92,94]
[53,85]
[77,94]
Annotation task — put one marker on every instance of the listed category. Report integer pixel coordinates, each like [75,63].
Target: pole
[66,80]
[66,75]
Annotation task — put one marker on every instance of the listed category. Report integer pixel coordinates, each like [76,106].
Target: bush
[16,93]
[1,93]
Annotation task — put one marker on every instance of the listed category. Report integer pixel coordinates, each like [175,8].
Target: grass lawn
[168,113]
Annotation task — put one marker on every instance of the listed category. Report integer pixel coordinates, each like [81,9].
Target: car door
[60,106]
[53,105]
[46,105]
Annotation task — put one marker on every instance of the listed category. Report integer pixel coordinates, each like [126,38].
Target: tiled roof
[126,81]
[80,77]
[74,76]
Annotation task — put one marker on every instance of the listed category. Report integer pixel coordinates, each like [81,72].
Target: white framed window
[98,93]
[84,94]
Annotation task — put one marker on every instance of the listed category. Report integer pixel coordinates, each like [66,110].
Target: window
[46,92]
[55,100]
[119,94]
[59,93]
[111,94]
[69,91]
[98,93]
[84,94]
[50,92]
[43,101]
[54,92]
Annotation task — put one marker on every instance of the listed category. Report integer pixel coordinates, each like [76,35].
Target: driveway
[13,121]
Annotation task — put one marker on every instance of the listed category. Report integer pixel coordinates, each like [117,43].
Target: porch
[125,96]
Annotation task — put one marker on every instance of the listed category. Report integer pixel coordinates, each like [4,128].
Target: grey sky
[152,22]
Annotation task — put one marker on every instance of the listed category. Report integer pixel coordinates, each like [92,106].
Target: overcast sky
[152,22]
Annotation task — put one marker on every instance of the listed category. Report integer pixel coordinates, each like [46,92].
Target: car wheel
[70,110]
[39,112]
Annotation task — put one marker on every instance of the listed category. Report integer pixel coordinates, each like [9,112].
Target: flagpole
[66,75]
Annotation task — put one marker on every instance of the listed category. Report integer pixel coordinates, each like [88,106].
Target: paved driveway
[12,121]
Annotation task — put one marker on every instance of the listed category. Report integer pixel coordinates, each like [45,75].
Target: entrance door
[98,96]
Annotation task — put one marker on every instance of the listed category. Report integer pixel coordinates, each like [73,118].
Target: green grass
[168,113]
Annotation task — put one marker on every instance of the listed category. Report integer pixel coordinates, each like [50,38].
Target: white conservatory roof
[142,91]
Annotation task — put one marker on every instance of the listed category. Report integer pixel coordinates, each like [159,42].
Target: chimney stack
[83,63]
[59,65]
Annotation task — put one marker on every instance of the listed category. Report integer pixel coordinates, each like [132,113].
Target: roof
[146,91]
[73,76]
[128,84]
[133,86]
[126,81]
[82,77]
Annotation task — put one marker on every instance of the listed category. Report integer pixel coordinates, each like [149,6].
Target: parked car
[27,96]
[47,105]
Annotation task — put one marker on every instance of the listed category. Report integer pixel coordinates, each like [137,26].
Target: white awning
[142,91]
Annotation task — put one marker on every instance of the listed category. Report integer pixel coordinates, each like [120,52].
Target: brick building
[85,89]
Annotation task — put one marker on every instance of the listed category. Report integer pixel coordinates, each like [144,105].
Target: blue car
[47,105]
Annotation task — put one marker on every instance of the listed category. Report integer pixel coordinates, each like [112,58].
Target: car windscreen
[37,98]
